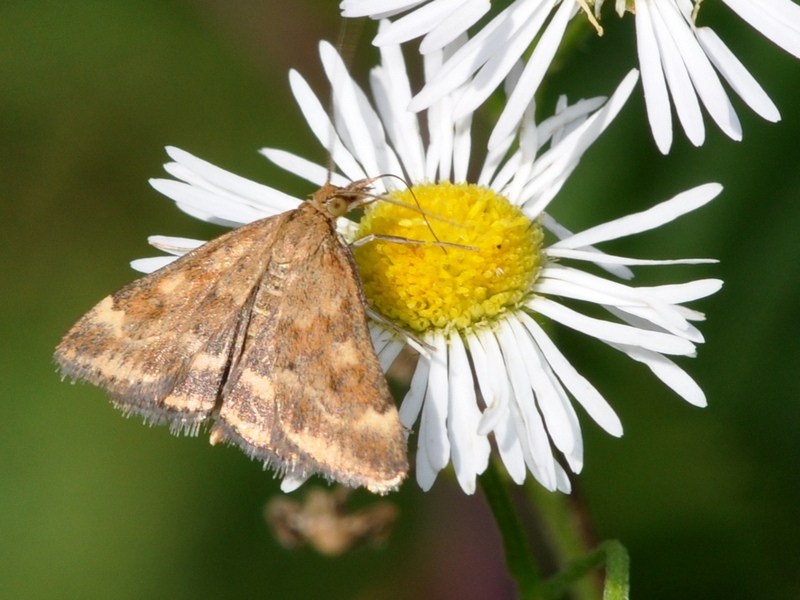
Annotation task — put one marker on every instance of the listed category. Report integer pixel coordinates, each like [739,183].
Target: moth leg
[415,342]
[418,344]
[401,240]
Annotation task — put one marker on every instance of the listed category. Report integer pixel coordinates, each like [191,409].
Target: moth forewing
[140,342]
[263,330]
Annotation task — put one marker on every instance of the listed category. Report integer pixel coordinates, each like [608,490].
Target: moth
[262,332]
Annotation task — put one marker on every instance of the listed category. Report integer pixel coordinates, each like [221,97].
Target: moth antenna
[348,38]
[419,207]
[340,39]
[371,197]
[347,58]
[346,42]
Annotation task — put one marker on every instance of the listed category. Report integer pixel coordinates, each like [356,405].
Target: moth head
[336,201]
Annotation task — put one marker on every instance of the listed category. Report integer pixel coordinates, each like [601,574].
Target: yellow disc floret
[422,285]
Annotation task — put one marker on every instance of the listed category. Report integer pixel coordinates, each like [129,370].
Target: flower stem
[564,535]
[519,557]
[610,554]
[569,533]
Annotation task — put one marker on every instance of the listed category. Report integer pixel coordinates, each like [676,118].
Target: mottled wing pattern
[161,346]
[308,394]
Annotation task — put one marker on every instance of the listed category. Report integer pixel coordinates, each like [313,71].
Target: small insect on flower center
[423,286]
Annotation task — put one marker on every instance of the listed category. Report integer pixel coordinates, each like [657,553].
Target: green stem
[563,535]
[566,532]
[610,553]
[519,558]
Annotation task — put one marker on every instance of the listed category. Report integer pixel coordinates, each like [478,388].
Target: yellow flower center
[421,286]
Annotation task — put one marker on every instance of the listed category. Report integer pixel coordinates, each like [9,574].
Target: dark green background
[96,506]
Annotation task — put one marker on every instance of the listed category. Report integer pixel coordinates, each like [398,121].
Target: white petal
[524,437]
[702,74]
[611,332]
[390,352]
[737,76]
[583,391]
[360,123]
[488,361]
[392,92]
[441,20]
[432,427]
[297,165]
[645,303]
[656,99]
[528,145]
[566,119]
[462,145]
[678,80]
[535,69]
[487,43]
[380,336]
[148,265]
[606,293]
[668,372]
[667,319]
[575,456]
[457,23]
[554,166]
[367,8]
[686,292]
[777,20]
[426,474]
[412,403]
[470,451]
[439,157]
[174,245]
[562,232]
[209,177]
[553,286]
[508,445]
[533,434]
[649,219]
[557,421]
[414,24]
[207,202]
[504,175]
[322,127]
[610,259]
[498,66]
[563,484]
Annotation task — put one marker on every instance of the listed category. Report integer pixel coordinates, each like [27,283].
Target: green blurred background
[96,506]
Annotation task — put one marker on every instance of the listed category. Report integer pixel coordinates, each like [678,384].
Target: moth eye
[337,206]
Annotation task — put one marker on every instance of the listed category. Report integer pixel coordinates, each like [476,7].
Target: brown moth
[263,331]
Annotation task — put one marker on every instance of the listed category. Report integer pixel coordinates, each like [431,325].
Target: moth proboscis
[263,331]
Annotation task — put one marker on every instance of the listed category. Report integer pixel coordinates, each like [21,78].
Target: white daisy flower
[483,307]
[677,58]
